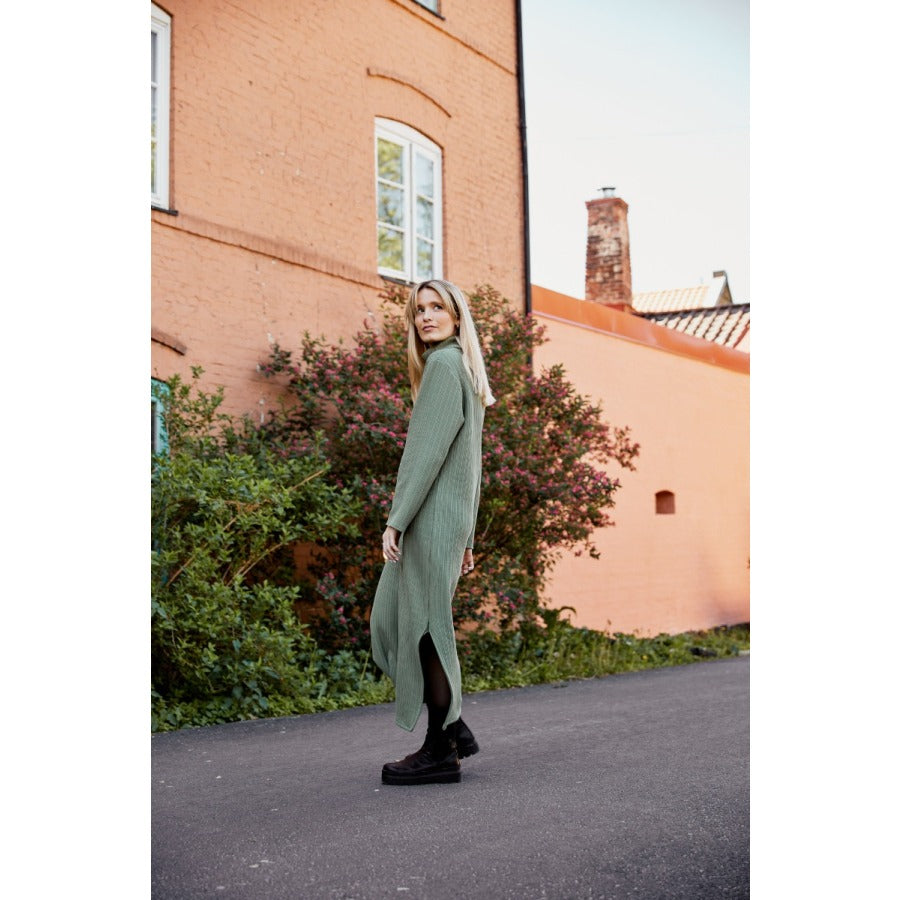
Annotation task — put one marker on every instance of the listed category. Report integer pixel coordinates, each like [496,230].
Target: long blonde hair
[468,338]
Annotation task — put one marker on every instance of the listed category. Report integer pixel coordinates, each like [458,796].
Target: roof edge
[631,327]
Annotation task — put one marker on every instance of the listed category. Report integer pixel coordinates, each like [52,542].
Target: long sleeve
[436,419]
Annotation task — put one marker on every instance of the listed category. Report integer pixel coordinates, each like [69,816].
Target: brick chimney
[607,276]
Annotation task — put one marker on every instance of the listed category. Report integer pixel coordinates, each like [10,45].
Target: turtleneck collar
[448,342]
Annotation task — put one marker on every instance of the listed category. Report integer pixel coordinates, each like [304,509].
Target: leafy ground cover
[490,661]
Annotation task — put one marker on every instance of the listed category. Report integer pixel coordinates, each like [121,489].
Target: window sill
[162,209]
[393,279]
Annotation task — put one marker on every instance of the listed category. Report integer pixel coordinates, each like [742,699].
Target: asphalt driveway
[633,785]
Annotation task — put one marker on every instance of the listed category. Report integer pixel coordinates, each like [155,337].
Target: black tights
[437,687]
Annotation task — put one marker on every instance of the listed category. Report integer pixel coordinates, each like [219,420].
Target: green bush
[226,641]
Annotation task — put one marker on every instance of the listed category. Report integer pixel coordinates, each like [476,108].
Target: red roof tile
[672,299]
[724,325]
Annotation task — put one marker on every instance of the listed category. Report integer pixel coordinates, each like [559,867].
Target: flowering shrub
[545,487]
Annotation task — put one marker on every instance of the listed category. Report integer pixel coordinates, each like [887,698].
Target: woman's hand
[468,562]
[390,544]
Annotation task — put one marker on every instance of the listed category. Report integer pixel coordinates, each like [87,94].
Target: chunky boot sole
[443,776]
[431,765]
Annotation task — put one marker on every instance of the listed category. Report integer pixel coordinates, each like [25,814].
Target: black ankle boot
[466,745]
[436,763]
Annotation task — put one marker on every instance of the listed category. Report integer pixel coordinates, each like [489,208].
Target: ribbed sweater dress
[434,508]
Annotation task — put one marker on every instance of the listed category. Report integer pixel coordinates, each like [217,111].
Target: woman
[430,534]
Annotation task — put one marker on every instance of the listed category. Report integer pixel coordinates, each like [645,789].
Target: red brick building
[304,152]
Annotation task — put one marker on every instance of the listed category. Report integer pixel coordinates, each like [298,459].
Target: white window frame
[161,26]
[413,143]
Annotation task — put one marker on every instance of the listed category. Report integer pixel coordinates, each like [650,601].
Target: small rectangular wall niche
[665,503]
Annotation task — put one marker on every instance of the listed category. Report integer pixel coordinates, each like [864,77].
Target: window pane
[160,46]
[153,118]
[390,249]
[424,218]
[424,176]
[390,205]
[408,202]
[424,259]
[390,161]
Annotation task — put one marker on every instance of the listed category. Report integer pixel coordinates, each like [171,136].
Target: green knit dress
[435,506]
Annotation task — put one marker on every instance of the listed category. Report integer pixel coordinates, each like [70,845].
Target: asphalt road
[635,785]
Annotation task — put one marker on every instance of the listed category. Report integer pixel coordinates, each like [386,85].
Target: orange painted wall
[273,109]
[687,402]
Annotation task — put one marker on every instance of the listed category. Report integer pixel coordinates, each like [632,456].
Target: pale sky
[651,97]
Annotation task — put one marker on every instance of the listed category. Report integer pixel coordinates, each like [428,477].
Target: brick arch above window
[167,340]
[406,82]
